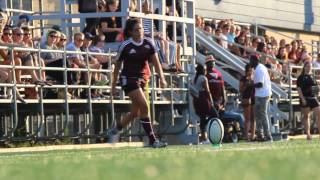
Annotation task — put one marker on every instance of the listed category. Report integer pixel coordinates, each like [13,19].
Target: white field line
[70,147]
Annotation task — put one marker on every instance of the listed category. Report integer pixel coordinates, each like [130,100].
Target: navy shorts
[129,84]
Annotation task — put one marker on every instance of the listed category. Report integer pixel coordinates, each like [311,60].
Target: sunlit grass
[280,160]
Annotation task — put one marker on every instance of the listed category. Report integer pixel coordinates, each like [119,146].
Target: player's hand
[304,102]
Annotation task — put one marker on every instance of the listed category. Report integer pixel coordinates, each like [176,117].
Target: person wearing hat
[218,93]
[216,83]
[262,85]
[88,37]
[24,19]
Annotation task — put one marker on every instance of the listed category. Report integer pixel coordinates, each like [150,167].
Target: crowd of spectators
[93,38]
[276,53]
[21,35]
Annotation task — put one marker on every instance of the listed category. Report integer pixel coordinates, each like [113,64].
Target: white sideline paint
[70,147]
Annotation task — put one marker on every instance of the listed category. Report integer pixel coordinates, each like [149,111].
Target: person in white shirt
[77,60]
[224,35]
[263,92]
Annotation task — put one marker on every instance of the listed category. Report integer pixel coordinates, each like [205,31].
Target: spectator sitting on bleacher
[254,43]
[293,58]
[6,39]
[91,6]
[224,36]
[92,60]
[174,46]
[6,36]
[168,51]
[232,34]
[27,36]
[288,49]
[98,45]
[239,51]
[77,60]
[198,23]
[283,56]
[246,31]
[26,57]
[282,43]
[6,74]
[218,33]
[28,42]
[208,30]
[61,42]
[305,56]
[274,43]
[52,59]
[238,30]
[133,5]
[24,20]
[173,12]
[111,26]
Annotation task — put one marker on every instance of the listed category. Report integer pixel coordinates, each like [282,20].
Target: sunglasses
[18,34]
[63,39]
[7,34]
[80,40]
[27,34]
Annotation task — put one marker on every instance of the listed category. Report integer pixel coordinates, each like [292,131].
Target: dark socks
[146,124]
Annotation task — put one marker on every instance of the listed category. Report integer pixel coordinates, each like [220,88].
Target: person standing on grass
[203,102]
[263,92]
[308,90]
[247,102]
[134,54]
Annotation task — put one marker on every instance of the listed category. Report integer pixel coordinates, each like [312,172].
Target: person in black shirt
[134,54]
[111,26]
[308,90]
[247,102]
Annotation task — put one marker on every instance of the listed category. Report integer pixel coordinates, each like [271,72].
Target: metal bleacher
[86,120]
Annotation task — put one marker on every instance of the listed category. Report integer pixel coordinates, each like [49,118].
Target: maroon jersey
[135,57]
[216,83]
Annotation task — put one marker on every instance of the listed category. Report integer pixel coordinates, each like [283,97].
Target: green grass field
[296,159]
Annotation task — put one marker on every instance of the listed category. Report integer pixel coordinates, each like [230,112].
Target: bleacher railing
[188,41]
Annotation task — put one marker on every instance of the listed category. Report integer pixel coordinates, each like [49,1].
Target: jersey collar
[136,43]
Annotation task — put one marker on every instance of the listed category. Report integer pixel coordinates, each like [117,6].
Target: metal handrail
[63,16]
[256,52]
[245,48]
[18,11]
